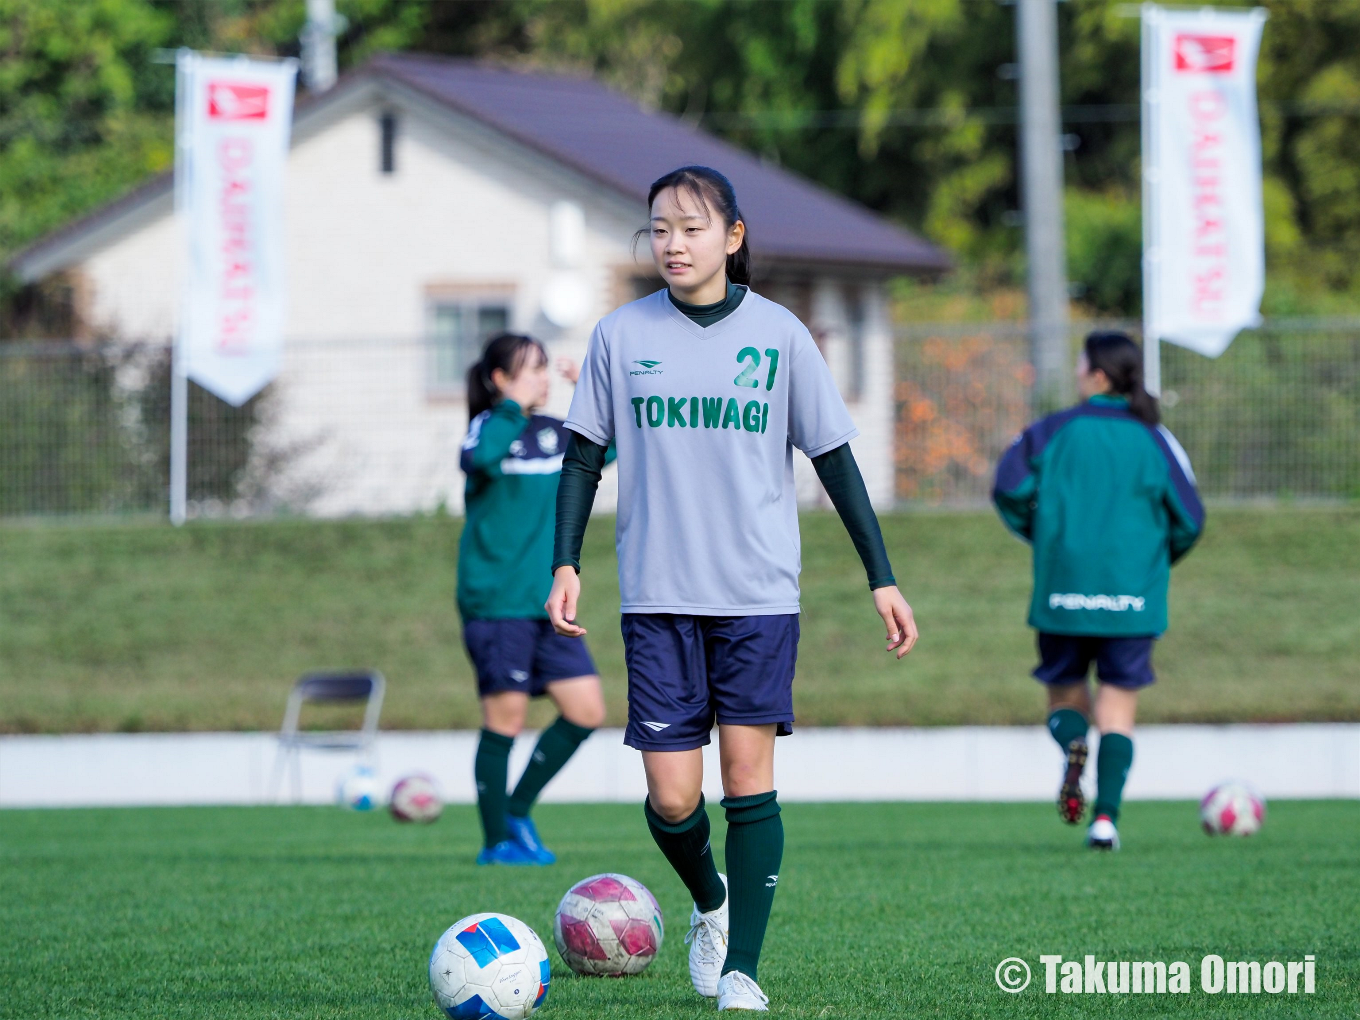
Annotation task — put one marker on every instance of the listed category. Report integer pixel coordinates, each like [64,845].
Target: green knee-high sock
[755,846]
[557,743]
[1067,725]
[493,760]
[685,844]
[1112,768]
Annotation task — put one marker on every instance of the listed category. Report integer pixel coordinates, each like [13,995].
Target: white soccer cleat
[707,941]
[1102,835]
[737,991]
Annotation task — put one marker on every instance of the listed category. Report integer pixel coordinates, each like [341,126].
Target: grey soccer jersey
[705,421]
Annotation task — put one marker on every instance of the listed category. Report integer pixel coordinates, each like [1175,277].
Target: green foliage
[1105,250]
[896,103]
[884,910]
[77,120]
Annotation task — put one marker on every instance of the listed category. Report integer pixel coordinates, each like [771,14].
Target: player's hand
[568,370]
[897,617]
[561,604]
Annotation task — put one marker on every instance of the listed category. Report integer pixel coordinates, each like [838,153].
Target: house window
[387,156]
[458,329]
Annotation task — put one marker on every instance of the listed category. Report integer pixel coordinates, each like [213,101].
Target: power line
[946,116]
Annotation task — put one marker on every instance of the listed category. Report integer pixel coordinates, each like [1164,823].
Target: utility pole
[1041,181]
[318,44]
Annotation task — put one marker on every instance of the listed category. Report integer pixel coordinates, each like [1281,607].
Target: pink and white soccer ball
[415,798]
[608,925]
[1232,809]
[489,965]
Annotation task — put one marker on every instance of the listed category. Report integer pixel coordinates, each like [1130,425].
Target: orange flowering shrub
[960,401]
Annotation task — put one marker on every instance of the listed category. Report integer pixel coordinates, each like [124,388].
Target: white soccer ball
[415,799]
[610,925]
[358,789]
[489,965]
[1232,809]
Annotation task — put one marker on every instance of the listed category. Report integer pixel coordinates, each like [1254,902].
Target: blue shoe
[525,836]
[506,852]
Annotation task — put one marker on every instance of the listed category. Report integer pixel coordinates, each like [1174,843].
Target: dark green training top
[1109,503]
[837,470]
[512,465]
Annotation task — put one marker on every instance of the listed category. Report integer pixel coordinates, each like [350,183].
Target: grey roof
[607,137]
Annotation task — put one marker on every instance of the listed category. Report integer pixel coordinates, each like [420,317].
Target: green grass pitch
[883,910]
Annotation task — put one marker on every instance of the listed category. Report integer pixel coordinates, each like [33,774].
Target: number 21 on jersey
[749,357]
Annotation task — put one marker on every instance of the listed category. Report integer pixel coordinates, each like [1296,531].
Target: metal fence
[1277,416]
[375,427]
[348,427]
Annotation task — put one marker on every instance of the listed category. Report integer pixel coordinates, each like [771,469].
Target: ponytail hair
[714,193]
[509,352]
[1121,360]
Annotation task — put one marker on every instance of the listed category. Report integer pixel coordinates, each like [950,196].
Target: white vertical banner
[236,118]
[1203,223]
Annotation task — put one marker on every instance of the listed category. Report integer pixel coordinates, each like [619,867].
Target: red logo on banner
[1207,54]
[230,101]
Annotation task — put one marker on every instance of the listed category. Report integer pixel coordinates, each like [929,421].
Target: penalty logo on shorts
[657,726]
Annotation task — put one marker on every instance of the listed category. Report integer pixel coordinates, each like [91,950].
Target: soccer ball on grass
[358,789]
[1232,809]
[608,925]
[489,965]
[415,798]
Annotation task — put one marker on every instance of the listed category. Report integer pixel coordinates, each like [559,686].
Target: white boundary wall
[971,763]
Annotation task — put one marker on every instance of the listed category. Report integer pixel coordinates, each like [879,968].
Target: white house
[431,201]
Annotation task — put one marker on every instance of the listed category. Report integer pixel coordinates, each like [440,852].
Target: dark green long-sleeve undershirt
[583,464]
[707,315]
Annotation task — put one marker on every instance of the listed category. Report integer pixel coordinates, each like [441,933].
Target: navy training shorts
[686,671]
[523,655]
[1124,662]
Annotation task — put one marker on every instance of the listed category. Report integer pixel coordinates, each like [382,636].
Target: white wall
[966,763]
[353,415]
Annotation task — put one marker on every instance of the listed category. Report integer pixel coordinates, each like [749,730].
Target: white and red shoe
[1102,835]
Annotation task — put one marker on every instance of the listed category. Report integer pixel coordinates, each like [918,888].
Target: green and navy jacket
[1109,503]
[512,465]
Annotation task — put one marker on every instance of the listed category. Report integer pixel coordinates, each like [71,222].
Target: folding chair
[326,688]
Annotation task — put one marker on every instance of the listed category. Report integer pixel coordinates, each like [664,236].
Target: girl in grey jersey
[706,388]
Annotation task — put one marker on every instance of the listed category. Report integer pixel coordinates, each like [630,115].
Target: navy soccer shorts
[1124,662]
[523,655]
[686,671]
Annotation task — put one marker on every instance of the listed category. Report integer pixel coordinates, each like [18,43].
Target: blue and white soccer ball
[358,789]
[489,965]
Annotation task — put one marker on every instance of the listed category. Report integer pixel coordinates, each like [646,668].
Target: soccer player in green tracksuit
[512,457]
[1107,498]
[707,388]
